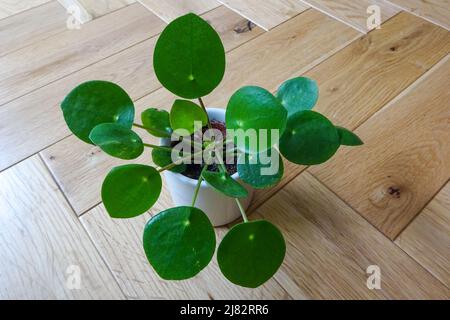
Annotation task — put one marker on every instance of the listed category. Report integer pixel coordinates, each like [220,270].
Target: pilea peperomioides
[189,61]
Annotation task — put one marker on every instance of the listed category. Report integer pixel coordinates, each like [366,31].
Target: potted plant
[211,158]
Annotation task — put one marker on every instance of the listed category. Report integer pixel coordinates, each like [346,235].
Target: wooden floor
[385,204]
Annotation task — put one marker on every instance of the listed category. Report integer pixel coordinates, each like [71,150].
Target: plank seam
[81,224]
[39,5]
[372,226]
[417,15]
[87,66]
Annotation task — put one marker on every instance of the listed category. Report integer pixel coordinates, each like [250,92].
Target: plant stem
[148,145]
[173,165]
[139,126]
[199,183]
[204,109]
[244,215]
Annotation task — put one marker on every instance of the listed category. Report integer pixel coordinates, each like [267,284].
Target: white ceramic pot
[219,208]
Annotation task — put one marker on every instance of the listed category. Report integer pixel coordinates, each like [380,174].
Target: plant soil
[193,171]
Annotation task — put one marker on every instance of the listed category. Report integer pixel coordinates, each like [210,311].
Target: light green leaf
[96,102]
[298,94]
[185,114]
[179,242]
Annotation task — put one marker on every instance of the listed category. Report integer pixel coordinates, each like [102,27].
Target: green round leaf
[254,108]
[189,58]
[96,102]
[309,139]
[117,141]
[254,169]
[179,242]
[225,184]
[157,122]
[251,253]
[348,138]
[129,191]
[163,158]
[184,114]
[298,94]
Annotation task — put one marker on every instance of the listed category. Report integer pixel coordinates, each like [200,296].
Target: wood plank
[12,7]
[353,13]
[361,79]
[120,242]
[266,14]
[427,238]
[87,10]
[436,11]
[405,158]
[29,27]
[330,247]
[53,58]
[81,172]
[169,10]
[41,238]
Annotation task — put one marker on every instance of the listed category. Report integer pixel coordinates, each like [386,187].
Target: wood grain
[436,11]
[427,238]
[34,121]
[362,78]
[405,158]
[12,7]
[330,247]
[30,27]
[53,58]
[353,13]
[80,169]
[266,14]
[169,10]
[41,238]
[88,10]
[120,242]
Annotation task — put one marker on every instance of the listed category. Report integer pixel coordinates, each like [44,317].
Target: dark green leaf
[184,114]
[163,158]
[225,184]
[251,253]
[348,138]
[252,169]
[309,139]
[96,102]
[189,57]
[254,108]
[157,122]
[131,190]
[298,94]
[117,141]
[179,242]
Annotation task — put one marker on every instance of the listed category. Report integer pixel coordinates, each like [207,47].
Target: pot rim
[192,181]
